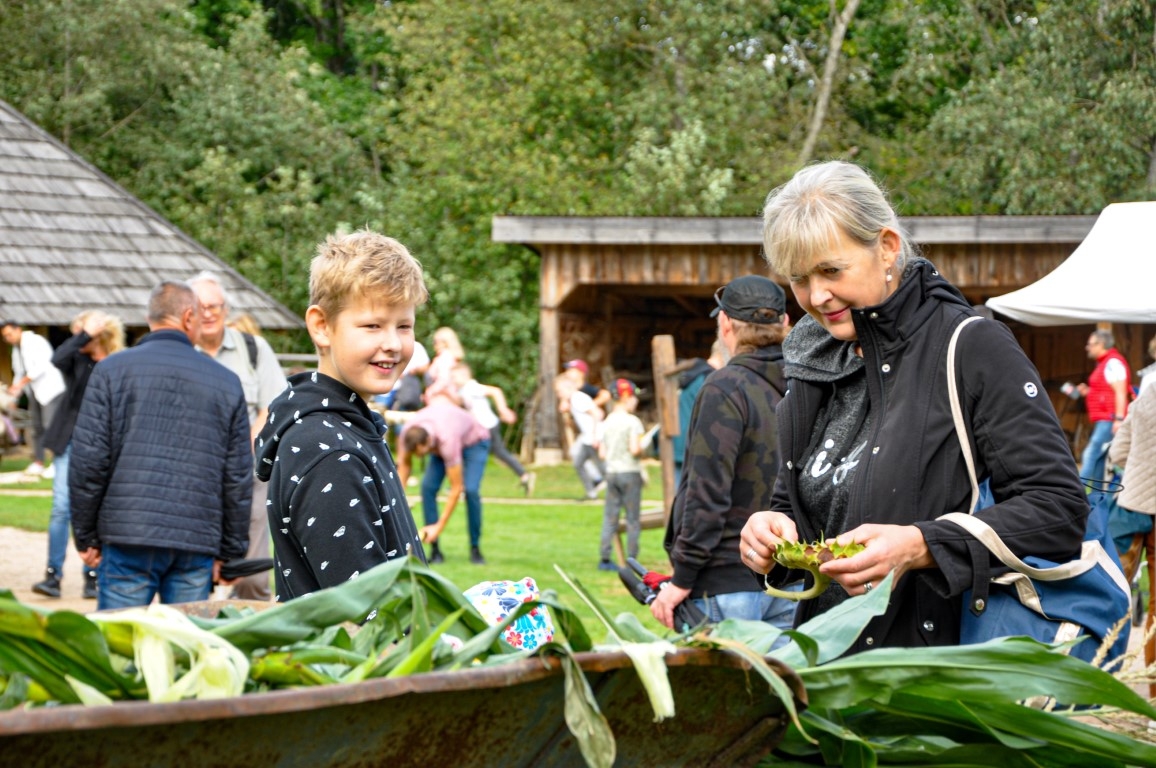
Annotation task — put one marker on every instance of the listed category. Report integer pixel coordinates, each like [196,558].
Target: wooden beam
[604,230]
[682,302]
[678,368]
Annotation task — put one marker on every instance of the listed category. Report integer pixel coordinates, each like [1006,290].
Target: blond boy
[336,506]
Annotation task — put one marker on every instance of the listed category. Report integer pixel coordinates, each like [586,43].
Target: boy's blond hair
[364,263]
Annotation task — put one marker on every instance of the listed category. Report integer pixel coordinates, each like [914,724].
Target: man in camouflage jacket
[732,460]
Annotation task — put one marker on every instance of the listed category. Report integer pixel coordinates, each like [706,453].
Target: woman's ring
[751,554]
[868,587]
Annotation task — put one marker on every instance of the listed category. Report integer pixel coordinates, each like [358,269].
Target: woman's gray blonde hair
[802,218]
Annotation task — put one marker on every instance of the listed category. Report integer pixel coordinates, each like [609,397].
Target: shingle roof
[71,239]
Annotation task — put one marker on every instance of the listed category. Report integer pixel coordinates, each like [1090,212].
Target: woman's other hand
[898,548]
[760,536]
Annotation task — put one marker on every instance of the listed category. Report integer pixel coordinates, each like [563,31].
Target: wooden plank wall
[604,303]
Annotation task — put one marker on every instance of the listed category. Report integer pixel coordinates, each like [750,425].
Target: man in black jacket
[732,459]
[161,470]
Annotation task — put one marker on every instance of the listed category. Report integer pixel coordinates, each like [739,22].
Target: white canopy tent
[1108,278]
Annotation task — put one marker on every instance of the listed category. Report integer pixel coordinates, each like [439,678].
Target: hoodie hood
[813,354]
[307,393]
[766,363]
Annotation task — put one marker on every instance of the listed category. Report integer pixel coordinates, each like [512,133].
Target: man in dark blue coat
[161,470]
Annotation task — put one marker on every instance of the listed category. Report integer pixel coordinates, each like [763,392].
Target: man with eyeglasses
[160,469]
[254,362]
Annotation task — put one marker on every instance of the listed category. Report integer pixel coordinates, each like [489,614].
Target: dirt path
[22,560]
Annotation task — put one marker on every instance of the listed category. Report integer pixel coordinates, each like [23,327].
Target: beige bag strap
[957,411]
[1089,554]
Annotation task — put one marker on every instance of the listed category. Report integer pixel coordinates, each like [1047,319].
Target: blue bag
[1050,602]
[1034,603]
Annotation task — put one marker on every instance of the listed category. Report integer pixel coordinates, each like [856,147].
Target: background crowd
[177,462]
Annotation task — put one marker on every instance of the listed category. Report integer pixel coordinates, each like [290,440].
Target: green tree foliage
[218,136]
[1067,123]
[259,126]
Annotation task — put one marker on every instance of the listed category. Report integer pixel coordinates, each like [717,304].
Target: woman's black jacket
[913,470]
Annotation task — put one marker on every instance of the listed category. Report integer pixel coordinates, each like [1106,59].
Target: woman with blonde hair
[448,352]
[95,336]
[869,448]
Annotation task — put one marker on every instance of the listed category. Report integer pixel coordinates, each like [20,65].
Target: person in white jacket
[32,367]
[1134,448]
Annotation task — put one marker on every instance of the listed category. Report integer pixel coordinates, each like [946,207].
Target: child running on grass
[336,506]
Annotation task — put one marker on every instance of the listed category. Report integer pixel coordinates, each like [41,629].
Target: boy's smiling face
[366,345]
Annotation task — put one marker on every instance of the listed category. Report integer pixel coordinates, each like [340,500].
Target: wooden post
[666,400]
[547,440]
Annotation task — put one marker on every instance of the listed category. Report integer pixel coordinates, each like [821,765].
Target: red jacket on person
[1101,402]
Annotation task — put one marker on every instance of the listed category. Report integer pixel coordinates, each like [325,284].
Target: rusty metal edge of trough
[135,713]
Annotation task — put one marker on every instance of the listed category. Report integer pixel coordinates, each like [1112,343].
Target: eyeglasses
[212,309]
[718,295]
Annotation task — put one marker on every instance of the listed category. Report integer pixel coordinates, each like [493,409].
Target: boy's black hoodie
[336,507]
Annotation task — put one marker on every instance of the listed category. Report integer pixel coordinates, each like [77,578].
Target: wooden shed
[71,239]
[609,285]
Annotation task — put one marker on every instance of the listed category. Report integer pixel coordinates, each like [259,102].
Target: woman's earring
[889,274]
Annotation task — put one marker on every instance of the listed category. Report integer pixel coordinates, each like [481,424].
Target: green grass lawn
[519,538]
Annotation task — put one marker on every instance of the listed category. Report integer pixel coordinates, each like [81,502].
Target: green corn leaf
[567,622]
[302,665]
[759,636]
[384,629]
[88,695]
[926,731]
[64,641]
[585,721]
[601,613]
[905,717]
[306,617]
[777,685]
[18,689]
[631,628]
[649,660]
[421,658]
[1004,670]
[217,669]
[646,652]
[834,633]
[21,656]
[1064,735]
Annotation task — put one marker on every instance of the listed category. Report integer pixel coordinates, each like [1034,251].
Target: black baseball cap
[743,297]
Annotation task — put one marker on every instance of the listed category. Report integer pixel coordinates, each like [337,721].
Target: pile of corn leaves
[955,706]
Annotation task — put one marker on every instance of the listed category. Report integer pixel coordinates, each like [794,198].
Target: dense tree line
[258,127]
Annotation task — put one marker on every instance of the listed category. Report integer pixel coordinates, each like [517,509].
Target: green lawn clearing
[520,536]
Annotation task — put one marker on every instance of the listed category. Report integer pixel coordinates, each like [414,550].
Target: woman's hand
[760,536]
[898,548]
